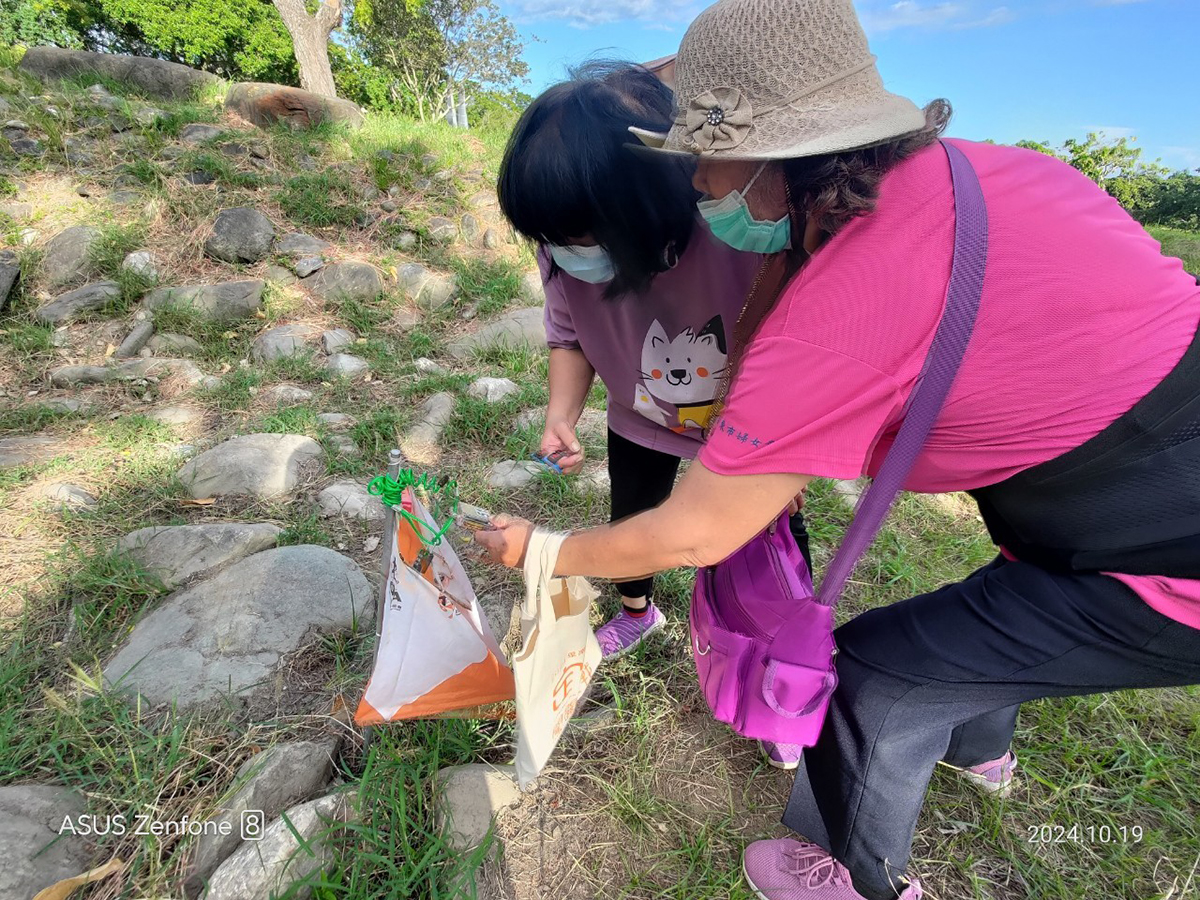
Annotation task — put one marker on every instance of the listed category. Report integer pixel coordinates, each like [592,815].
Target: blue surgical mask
[590,264]
[730,221]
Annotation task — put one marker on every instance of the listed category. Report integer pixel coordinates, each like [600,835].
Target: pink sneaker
[623,632]
[994,777]
[790,870]
[781,756]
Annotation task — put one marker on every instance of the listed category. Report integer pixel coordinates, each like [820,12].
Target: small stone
[493,390]
[142,263]
[349,498]
[405,240]
[514,474]
[849,491]
[25,450]
[429,290]
[133,344]
[389,205]
[406,318]
[427,366]
[531,290]
[347,365]
[176,416]
[148,115]
[470,228]
[176,344]
[67,256]
[68,405]
[442,230]
[491,240]
[10,276]
[344,446]
[420,444]
[469,798]
[198,177]
[335,339]
[280,276]
[347,280]
[26,146]
[198,133]
[224,302]
[283,342]
[336,421]
[306,266]
[16,210]
[85,299]
[286,395]
[240,234]
[299,244]
[530,418]
[516,328]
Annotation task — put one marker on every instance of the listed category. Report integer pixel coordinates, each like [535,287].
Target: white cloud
[949,16]
[589,13]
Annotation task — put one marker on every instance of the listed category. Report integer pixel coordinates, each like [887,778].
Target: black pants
[641,479]
[941,677]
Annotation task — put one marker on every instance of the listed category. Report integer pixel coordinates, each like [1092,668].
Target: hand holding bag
[558,654]
[762,641]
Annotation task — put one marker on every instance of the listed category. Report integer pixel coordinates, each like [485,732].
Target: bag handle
[541,557]
[933,384]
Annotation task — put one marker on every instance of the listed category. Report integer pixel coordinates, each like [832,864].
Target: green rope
[440,495]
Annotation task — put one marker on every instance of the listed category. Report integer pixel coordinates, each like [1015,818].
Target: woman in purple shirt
[638,291]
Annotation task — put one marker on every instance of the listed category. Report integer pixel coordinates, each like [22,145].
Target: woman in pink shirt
[1074,421]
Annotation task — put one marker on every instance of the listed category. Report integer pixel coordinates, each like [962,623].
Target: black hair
[569,171]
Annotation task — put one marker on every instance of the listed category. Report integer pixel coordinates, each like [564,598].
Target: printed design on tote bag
[684,372]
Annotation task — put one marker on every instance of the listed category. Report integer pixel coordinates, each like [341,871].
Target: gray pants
[942,676]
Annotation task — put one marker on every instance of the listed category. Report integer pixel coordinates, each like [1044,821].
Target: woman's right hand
[560,438]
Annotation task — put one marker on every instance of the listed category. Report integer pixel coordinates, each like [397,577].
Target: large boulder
[258,465]
[223,302]
[177,553]
[524,327]
[226,635]
[240,235]
[37,853]
[265,104]
[152,77]
[88,298]
[68,255]
[347,281]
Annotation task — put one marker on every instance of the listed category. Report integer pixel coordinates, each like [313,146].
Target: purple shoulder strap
[941,366]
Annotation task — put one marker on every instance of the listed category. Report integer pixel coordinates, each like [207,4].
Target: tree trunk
[310,41]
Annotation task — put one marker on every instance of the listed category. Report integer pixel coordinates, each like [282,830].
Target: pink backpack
[761,637]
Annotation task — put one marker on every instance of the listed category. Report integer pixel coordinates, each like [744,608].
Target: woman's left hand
[797,503]
[506,540]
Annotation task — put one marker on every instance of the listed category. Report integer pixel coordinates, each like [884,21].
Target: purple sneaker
[781,756]
[790,870]
[994,777]
[623,632]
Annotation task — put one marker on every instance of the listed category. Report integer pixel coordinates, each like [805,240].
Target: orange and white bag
[558,654]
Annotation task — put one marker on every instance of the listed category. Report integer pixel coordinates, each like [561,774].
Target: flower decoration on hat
[719,119]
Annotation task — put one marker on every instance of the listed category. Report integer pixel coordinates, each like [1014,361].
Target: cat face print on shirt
[684,372]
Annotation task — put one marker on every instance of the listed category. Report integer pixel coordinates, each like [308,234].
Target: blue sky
[1013,69]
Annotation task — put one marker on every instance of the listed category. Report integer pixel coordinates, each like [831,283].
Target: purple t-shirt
[660,354]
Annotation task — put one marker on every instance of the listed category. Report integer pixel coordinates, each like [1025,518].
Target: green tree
[400,38]
[1115,165]
[33,23]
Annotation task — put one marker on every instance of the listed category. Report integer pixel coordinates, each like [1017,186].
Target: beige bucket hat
[779,79]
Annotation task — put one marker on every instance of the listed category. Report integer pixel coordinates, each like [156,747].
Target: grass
[1182,244]
[320,199]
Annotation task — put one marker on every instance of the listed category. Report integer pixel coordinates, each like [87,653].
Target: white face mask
[590,264]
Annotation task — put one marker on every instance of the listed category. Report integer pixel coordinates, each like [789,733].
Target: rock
[530,418]
[849,491]
[349,498]
[226,634]
[336,421]
[470,228]
[514,474]
[151,77]
[389,205]
[270,782]
[26,146]
[292,849]
[347,280]
[265,104]
[261,465]
[596,480]
[240,235]
[493,390]
[176,416]
[468,798]
[429,290]
[178,553]
[154,367]
[347,365]
[491,240]
[68,405]
[142,263]
[531,291]
[67,496]
[136,340]
[198,177]
[306,266]
[343,446]
[283,342]
[406,318]
[16,210]
[483,200]
[420,444]
[67,255]
[124,198]
[198,133]
[442,230]
[25,450]
[36,853]
[223,302]
[280,275]
[286,395]
[299,244]
[517,328]
[69,376]
[334,340]
[427,366]
[405,240]
[147,116]
[10,276]
[174,343]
